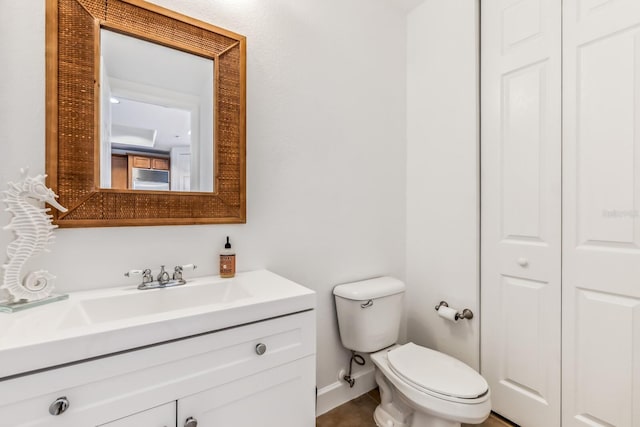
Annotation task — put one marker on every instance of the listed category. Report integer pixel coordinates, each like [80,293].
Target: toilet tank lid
[370,289]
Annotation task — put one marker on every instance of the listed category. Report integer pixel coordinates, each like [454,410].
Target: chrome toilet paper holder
[465,314]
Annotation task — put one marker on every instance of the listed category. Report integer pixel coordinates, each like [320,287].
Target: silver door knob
[191,422]
[261,349]
[59,405]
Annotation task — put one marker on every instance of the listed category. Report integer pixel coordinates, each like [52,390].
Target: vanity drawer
[102,390]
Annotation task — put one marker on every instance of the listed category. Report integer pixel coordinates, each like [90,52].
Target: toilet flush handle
[367,304]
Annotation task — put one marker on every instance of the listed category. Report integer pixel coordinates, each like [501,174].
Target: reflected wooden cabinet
[119,172]
[122,164]
[146,162]
[140,162]
[162,164]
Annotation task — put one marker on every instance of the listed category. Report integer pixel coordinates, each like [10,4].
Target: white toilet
[419,387]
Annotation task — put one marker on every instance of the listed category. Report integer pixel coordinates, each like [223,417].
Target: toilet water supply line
[359,361]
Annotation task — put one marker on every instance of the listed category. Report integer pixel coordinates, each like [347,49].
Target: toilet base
[382,418]
[385,419]
[421,419]
[390,412]
[394,411]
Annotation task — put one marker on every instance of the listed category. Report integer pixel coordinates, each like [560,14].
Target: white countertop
[101,322]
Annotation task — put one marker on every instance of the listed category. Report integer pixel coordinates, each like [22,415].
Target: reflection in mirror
[156,116]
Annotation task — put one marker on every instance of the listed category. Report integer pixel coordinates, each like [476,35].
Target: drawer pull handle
[261,349]
[59,405]
[191,422]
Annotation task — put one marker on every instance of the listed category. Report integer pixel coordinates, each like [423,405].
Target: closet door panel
[601,213]
[520,210]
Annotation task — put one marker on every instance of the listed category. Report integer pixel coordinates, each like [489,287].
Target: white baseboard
[339,392]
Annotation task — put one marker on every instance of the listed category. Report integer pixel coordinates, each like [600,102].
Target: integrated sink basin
[102,322]
[156,301]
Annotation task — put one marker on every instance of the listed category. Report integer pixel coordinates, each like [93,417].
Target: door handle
[191,422]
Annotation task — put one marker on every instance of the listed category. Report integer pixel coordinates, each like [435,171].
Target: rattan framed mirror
[73,115]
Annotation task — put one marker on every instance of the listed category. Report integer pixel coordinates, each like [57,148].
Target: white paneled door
[521,208]
[601,213]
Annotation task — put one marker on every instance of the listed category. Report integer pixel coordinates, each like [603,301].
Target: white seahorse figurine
[34,231]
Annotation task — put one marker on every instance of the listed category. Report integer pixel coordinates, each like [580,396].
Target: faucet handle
[132,273]
[177,271]
[146,274]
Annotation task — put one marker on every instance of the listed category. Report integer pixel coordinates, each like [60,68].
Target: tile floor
[359,413]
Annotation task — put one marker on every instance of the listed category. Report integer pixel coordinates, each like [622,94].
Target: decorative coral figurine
[34,231]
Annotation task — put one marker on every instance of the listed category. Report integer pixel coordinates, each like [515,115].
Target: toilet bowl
[419,387]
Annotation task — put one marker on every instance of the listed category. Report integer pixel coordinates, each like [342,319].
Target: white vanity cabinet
[262,373]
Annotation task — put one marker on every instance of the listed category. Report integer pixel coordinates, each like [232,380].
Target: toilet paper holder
[465,314]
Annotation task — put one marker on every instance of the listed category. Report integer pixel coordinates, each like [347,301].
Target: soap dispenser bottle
[227,261]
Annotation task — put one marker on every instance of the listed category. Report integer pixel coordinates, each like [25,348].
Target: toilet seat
[436,373]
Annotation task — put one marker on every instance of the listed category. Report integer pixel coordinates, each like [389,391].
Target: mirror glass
[156,116]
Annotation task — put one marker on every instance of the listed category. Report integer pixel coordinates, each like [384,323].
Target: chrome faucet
[163,279]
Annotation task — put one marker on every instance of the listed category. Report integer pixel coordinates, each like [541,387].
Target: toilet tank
[369,313]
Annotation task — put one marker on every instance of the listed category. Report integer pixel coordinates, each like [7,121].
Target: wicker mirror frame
[73,115]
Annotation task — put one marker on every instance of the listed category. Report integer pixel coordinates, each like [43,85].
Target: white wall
[325,152]
[442,174]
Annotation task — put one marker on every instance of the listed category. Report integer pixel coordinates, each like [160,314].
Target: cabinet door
[162,164]
[141,162]
[161,416]
[280,396]
[119,172]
